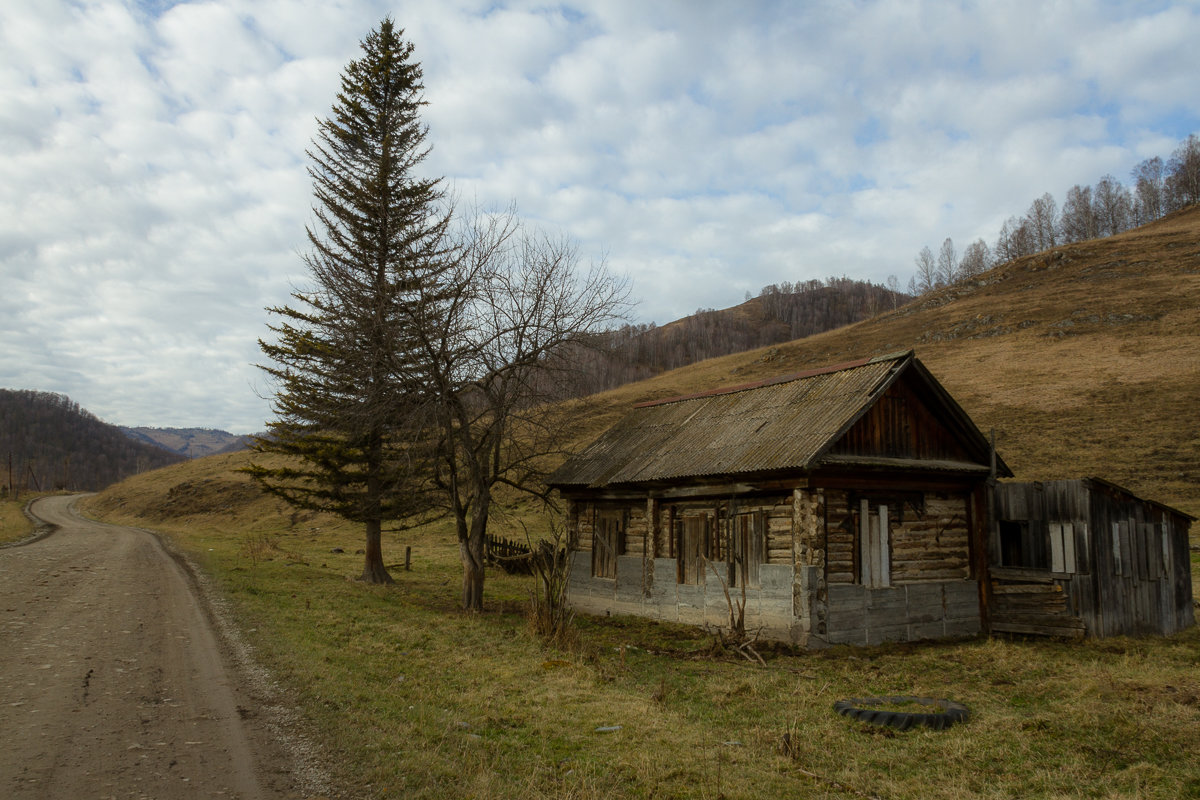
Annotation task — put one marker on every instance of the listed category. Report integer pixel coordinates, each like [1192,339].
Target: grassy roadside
[412,698]
[14,525]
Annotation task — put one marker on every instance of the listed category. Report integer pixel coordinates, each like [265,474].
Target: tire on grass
[866,709]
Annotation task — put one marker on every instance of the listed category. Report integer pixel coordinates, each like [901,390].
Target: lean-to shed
[840,505]
[1086,557]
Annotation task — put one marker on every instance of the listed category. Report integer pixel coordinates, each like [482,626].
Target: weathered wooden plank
[1024,588]
[1038,629]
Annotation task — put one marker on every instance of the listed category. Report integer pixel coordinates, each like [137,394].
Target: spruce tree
[343,363]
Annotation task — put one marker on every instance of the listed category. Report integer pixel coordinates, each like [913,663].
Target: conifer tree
[343,357]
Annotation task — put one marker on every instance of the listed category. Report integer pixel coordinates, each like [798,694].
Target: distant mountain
[190,442]
[48,442]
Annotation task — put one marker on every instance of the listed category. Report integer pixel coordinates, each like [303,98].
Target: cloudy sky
[153,194]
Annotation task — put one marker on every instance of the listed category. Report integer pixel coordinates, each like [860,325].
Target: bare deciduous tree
[947,263]
[926,279]
[1015,239]
[1113,206]
[1183,181]
[1043,222]
[1078,221]
[1148,190]
[977,259]
[499,342]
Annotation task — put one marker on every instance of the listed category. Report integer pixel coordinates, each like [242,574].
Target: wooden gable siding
[928,533]
[900,425]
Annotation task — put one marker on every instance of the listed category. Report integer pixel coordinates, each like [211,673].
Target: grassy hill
[1084,359]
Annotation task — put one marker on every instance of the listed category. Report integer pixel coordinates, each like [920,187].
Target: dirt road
[113,683]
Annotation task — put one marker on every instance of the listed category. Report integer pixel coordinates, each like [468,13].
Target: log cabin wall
[810,587]
[918,584]
[679,557]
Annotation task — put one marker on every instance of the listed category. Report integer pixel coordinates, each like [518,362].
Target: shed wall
[1109,563]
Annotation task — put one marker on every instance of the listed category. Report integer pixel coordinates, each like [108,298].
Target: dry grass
[14,525]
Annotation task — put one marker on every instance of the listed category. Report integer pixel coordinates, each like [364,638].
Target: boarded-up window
[748,549]
[1062,547]
[1120,549]
[608,542]
[696,533]
[874,546]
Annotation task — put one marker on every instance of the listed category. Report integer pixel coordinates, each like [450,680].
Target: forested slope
[48,442]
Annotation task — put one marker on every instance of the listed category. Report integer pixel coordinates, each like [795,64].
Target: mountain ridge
[189,442]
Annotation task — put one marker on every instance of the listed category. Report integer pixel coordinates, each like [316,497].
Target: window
[1020,546]
[1120,549]
[748,549]
[1062,547]
[608,542]
[874,547]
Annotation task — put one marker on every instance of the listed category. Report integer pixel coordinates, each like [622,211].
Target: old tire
[866,709]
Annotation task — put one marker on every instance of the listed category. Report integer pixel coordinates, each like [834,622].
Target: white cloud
[153,193]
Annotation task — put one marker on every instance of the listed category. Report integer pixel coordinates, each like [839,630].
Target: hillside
[49,443]
[190,442]
[1085,360]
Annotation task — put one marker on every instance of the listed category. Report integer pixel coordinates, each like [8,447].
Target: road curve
[112,681]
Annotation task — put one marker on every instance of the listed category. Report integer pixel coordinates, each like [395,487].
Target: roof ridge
[811,373]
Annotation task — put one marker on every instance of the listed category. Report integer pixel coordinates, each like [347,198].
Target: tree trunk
[473,573]
[373,569]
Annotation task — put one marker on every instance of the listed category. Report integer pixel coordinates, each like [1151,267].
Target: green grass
[413,698]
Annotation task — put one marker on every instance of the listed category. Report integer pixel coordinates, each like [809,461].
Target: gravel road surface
[113,683]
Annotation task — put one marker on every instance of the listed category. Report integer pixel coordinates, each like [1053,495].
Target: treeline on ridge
[1088,212]
[780,313]
[47,443]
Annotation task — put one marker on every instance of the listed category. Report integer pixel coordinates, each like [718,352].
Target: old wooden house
[839,505]
[1085,557]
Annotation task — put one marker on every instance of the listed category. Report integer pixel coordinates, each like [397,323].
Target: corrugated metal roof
[774,425]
